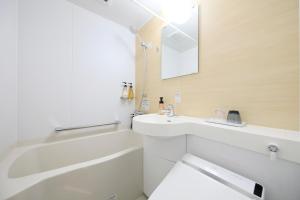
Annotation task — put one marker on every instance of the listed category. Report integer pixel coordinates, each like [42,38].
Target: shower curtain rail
[57,130]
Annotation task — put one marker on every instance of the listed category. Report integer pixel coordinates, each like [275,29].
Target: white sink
[254,138]
[160,125]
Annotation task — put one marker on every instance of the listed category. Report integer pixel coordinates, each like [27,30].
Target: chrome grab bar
[88,126]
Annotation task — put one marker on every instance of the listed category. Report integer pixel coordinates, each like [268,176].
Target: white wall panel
[71,65]
[8,73]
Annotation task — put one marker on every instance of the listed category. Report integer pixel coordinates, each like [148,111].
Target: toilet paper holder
[273,148]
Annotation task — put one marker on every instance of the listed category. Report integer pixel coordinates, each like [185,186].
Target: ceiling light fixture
[164,19]
[178,11]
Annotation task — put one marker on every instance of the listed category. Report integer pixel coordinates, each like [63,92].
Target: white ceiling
[127,13]
[123,12]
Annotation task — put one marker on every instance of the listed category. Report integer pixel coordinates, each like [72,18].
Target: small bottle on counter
[161,105]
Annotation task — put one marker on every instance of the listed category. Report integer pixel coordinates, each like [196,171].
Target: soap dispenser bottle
[161,105]
[125,91]
[130,92]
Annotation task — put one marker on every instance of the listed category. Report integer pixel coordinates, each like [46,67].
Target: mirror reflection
[179,48]
[179,37]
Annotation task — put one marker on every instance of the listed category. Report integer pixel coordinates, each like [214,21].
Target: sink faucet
[171,110]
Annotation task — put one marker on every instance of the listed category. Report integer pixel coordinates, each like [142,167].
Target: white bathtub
[102,167]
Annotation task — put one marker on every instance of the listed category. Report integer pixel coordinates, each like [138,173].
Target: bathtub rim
[28,148]
[13,186]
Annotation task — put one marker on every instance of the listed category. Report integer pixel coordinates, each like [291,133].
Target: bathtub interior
[60,154]
[118,179]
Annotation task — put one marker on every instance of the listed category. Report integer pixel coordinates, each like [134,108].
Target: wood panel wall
[249,61]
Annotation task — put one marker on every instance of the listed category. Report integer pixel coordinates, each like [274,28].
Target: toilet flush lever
[273,148]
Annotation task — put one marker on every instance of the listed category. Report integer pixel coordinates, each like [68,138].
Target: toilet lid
[186,183]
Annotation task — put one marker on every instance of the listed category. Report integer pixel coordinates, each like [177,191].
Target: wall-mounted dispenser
[127,91]
[130,92]
[124,91]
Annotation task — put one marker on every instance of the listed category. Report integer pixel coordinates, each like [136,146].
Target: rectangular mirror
[179,48]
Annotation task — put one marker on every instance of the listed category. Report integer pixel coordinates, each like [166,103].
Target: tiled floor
[142,198]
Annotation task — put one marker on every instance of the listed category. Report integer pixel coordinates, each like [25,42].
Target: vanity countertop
[250,137]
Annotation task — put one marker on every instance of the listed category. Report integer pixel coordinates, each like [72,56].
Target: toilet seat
[189,182]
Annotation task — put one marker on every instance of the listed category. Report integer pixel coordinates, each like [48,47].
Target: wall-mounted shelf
[126,99]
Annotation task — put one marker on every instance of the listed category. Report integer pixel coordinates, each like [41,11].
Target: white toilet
[193,178]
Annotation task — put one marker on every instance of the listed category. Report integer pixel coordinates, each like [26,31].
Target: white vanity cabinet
[160,155]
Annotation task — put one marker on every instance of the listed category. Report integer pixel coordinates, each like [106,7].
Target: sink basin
[161,119]
[160,125]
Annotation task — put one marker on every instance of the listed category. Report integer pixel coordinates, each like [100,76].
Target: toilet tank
[229,178]
[194,178]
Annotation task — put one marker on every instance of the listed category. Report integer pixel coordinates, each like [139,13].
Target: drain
[112,197]
[107,2]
